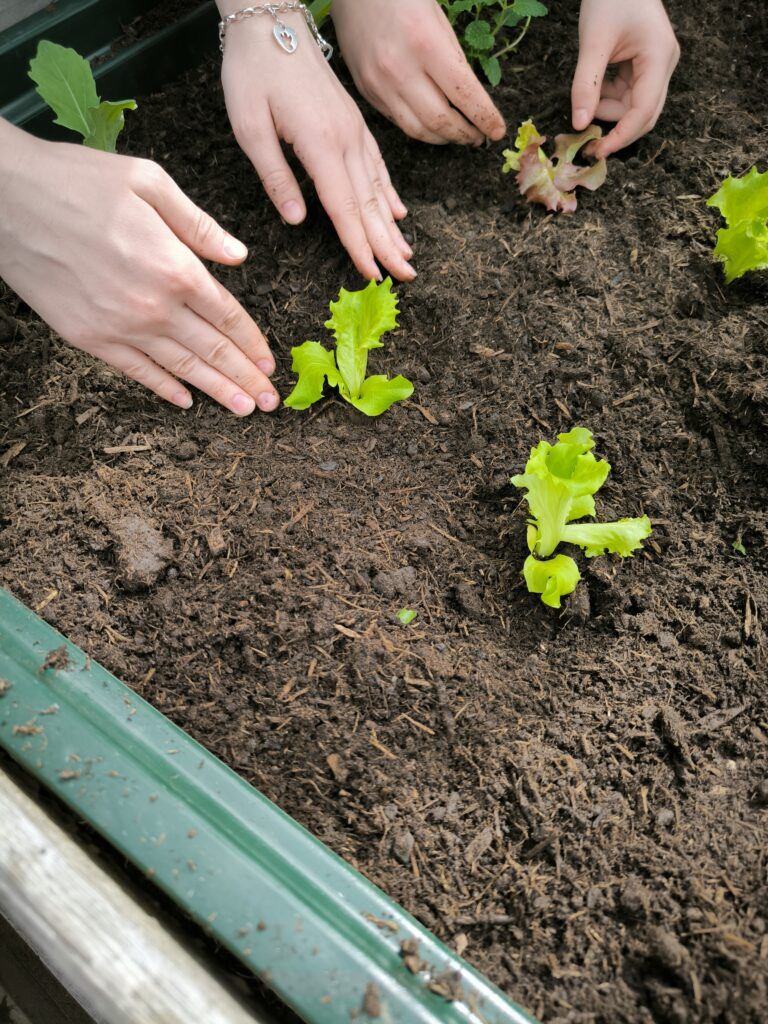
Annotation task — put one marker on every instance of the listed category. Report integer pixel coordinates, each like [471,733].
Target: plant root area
[575,800]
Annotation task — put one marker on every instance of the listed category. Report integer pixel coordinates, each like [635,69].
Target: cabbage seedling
[65,81]
[358,320]
[560,481]
[553,182]
[743,244]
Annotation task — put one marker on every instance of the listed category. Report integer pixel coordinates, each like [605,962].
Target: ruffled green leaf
[619,538]
[552,578]
[314,365]
[378,393]
[527,135]
[743,202]
[358,320]
[559,481]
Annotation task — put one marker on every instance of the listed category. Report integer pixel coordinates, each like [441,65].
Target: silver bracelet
[285,37]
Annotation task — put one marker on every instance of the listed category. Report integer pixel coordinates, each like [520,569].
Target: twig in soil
[375,742]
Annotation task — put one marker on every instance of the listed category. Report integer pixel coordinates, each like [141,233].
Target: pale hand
[637,37]
[407,62]
[105,249]
[271,96]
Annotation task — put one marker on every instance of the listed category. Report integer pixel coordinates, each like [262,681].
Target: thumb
[191,225]
[587,83]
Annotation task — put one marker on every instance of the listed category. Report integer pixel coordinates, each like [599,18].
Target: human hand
[407,62]
[103,248]
[638,38]
[273,95]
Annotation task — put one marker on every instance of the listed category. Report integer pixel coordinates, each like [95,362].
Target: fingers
[183,363]
[394,201]
[218,351]
[259,141]
[457,81]
[139,367]
[648,93]
[157,363]
[424,104]
[352,201]
[587,84]
[384,211]
[214,304]
[189,223]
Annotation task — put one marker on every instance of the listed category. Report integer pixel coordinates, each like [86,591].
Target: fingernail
[183,400]
[234,248]
[242,404]
[411,271]
[266,366]
[267,401]
[407,250]
[292,211]
[580,118]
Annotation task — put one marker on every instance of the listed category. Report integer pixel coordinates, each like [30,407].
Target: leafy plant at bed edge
[553,182]
[358,320]
[560,482]
[743,244]
[485,39]
[65,81]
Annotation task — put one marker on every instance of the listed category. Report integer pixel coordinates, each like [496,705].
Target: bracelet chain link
[284,35]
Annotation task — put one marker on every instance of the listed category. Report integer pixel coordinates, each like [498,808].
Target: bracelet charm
[285,37]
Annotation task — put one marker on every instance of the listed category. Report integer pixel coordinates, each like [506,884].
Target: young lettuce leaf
[553,182]
[358,320]
[65,81]
[560,482]
[743,244]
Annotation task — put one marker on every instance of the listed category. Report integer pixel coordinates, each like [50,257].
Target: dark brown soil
[577,801]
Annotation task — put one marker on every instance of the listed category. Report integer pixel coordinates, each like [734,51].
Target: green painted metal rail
[319,934]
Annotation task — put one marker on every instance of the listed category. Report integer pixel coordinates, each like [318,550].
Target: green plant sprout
[358,320]
[65,81]
[485,39]
[406,616]
[560,481]
[743,244]
[553,182]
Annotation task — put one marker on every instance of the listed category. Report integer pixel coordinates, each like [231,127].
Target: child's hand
[273,95]
[407,62]
[637,37]
[105,249]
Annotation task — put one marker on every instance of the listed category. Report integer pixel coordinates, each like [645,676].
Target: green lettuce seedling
[553,182]
[743,202]
[560,481]
[358,320]
[65,81]
[485,39]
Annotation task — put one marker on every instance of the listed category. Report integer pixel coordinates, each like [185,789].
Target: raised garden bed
[575,801]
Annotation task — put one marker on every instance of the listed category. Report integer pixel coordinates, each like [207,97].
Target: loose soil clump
[576,801]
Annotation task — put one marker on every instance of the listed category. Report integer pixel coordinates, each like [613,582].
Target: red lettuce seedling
[65,81]
[553,182]
[358,320]
[743,202]
[560,482]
